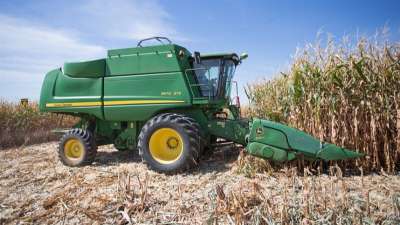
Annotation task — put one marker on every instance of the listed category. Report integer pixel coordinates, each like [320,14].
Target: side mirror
[243,56]
[197,58]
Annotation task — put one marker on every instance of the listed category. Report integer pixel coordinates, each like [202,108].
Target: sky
[38,36]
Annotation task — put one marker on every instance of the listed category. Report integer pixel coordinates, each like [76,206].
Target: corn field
[346,93]
[21,125]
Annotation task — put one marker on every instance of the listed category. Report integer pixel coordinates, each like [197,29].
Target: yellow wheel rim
[73,149]
[166,145]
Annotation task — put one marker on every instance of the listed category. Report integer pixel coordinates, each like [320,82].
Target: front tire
[77,148]
[170,143]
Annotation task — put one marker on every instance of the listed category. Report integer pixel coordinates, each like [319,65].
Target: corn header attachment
[168,104]
[280,143]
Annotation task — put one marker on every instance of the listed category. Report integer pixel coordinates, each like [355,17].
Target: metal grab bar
[159,39]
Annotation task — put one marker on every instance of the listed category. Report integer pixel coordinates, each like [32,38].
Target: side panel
[88,69]
[151,62]
[61,93]
[46,93]
[85,88]
[138,97]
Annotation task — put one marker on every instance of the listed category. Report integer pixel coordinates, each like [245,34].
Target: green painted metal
[147,60]
[64,94]
[233,130]
[116,95]
[333,152]
[89,69]
[125,93]
[127,138]
[279,142]
[117,88]
[270,152]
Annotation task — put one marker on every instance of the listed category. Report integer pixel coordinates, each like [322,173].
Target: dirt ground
[35,188]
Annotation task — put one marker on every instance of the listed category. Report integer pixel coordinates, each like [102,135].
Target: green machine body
[169,104]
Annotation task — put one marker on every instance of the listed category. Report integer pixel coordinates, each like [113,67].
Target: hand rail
[159,39]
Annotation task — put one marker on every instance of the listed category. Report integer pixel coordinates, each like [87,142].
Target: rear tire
[77,148]
[170,143]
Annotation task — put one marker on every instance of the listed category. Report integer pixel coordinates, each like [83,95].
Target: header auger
[168,104]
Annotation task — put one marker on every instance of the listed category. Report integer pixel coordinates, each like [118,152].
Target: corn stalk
[343,93]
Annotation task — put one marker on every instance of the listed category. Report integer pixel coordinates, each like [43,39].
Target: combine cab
[168,104]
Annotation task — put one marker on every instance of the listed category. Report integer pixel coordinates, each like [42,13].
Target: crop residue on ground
[118,189]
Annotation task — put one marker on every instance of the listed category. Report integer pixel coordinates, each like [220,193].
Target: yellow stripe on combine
[138,102]
[73,104]
[111,103]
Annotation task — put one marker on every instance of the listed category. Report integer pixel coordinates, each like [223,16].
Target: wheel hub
[172,142]
[166,145]
[73,149]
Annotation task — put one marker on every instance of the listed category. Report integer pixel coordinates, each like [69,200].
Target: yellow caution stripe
[112,103]
[140,102]
[73,104]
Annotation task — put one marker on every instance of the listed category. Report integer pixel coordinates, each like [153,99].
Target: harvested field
[35,188]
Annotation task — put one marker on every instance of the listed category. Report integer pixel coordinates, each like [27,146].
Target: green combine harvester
[170,105]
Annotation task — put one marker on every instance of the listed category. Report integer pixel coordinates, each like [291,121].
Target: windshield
[214,77]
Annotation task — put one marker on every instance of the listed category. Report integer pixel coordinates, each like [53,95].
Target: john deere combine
[168,104]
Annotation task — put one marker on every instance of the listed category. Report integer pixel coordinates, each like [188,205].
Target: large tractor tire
[170,143]
[77,148]
[202,136]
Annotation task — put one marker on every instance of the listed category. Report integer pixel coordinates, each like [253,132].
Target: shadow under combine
[219,160]
[116,157]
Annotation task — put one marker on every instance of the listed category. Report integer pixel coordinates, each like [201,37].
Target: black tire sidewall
[87,158]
